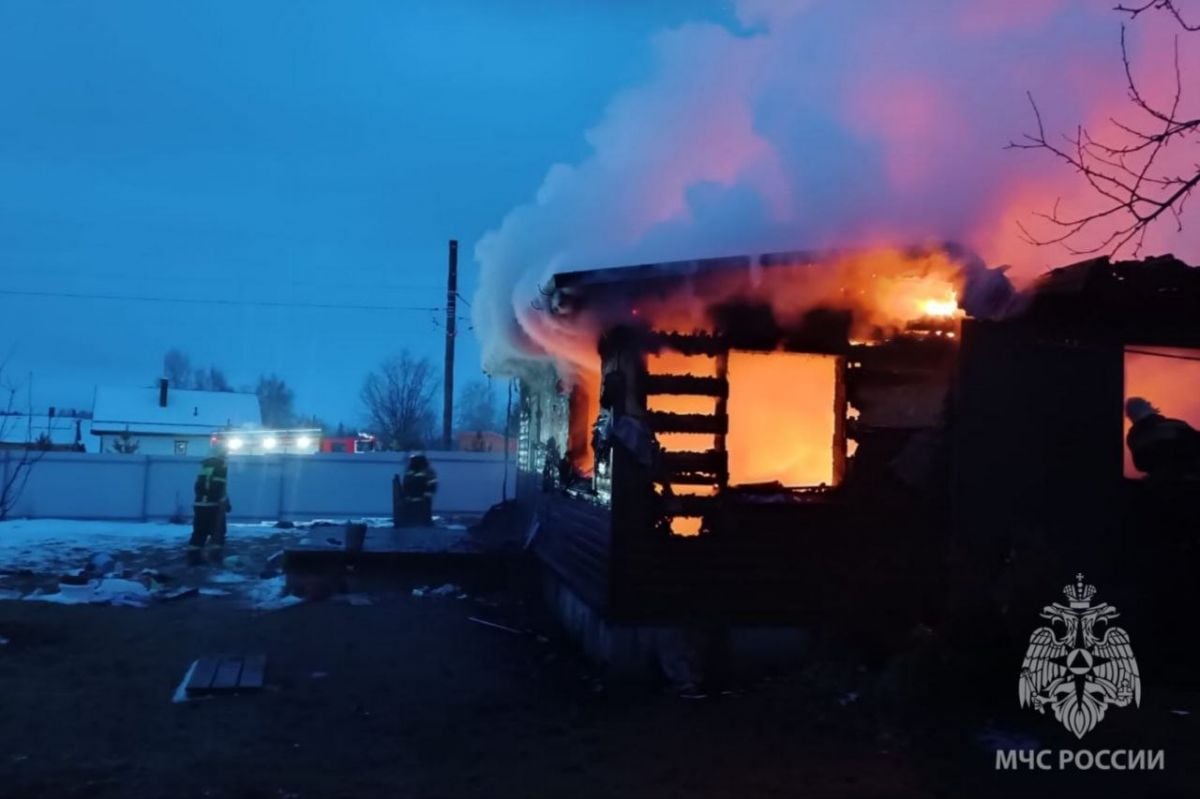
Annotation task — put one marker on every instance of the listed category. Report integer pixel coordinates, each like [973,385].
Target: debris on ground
[156,580]
[1175,712]
[494,625]
[221,674]
[177,593]
[447,589]
[102,563]
[227,577]
[108,590]
[3,640]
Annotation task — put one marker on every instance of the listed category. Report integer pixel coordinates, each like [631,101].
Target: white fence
[69,485]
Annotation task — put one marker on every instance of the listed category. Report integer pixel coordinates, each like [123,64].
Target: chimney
[162,392]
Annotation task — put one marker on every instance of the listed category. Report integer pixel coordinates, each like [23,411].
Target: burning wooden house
[1044,482]
[753,440]
[785,439]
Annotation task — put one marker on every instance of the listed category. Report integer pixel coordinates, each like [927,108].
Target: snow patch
[270,594]
[53,545]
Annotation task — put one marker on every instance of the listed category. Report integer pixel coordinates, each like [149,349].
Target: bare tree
[210,379]
[1126,172]
[477,410]
[398,398]
[19,460]
[276,401]
[177,368]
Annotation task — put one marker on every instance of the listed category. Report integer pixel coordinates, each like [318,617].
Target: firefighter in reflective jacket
[420,484]
[211,504]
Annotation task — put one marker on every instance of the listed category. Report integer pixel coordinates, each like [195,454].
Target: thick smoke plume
[818,125]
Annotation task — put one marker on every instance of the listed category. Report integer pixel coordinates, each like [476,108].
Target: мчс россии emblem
[1075,668]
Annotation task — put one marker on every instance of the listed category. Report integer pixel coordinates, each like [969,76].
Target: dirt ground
[408,697]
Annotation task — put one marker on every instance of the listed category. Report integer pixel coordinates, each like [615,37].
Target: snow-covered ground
[54,545]
[39,551]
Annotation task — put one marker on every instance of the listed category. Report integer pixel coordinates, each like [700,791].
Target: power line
[192,278]
[199,301]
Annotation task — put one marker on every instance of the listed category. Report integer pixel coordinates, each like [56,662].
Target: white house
[168,421]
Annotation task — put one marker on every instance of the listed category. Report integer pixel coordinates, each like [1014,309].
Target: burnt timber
[1002,442]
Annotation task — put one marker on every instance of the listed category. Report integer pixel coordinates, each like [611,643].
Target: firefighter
[1161,447]
[420,484]
[210,506]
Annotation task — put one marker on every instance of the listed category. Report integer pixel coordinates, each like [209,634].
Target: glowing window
[783,412]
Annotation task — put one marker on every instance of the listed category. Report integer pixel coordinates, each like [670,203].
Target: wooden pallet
[226,674]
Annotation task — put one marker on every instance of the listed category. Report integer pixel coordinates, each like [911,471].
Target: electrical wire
[203,301]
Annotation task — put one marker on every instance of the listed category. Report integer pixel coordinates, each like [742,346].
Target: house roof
[1154,301]
[650,274]
[186,413]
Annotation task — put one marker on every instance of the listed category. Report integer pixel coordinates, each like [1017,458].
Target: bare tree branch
[15,471]
[1125,174]
[1162,5]
[398,398]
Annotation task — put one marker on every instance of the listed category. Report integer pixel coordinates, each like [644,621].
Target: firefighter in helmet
[1162,447]
[419,486]
[210,505]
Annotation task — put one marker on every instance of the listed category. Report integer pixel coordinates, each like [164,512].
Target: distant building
[48,431]
[168,421]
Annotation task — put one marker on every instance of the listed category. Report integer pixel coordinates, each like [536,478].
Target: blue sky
[294,169]
[315,153]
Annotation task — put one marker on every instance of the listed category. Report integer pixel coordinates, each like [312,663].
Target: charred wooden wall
[1036,463]
[574,541]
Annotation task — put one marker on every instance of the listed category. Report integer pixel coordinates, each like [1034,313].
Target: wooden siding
[574,540]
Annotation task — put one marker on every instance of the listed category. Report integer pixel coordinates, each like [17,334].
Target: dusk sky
[293,170]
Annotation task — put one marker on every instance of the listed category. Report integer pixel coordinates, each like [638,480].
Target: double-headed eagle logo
[1075,668]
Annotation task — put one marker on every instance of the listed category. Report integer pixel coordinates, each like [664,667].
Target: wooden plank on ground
[229,670]
[253,671]
[202,675]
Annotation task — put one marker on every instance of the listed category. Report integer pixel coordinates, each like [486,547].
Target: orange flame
[883,289]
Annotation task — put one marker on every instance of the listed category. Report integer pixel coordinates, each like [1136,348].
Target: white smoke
[814,125]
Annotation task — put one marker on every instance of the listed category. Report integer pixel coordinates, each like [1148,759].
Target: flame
[781,405]
[943,308]
[686,526]
[884,289]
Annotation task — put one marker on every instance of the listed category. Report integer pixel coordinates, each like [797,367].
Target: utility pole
[448,376]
